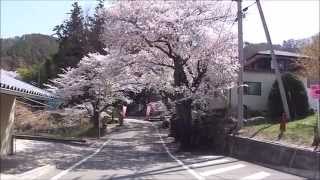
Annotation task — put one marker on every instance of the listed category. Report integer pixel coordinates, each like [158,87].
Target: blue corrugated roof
[10,85]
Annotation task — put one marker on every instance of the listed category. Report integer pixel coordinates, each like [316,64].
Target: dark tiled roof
[10,85]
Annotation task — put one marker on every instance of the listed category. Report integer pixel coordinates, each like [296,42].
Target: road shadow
[39,153]
[136,152]
[259,130]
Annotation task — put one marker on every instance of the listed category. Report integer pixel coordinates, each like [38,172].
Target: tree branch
[202,69]
[105,107]
[162,64]
[169,53]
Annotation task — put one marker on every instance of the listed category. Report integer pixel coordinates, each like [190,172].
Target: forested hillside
[26,51]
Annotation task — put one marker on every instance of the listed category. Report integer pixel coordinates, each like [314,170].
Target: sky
[20,17]
[286,19]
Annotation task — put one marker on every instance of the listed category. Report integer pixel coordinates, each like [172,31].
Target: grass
[298,132]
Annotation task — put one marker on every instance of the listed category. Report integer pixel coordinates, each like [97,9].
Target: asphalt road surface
[137,151]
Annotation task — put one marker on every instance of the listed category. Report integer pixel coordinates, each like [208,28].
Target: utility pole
[274,62]
[99,129]
[39,76]
[241,62]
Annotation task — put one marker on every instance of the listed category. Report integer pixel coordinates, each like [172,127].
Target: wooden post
[11,145]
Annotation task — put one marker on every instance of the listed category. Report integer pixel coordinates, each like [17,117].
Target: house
[259,78]
[10,89]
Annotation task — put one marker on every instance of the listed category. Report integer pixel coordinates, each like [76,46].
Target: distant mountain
[26,50]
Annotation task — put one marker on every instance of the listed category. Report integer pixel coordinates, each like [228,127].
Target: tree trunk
[184,123]
[95,118]
[179,75]
[183,107]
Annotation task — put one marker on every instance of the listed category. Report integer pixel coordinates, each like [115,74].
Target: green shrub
[296,95]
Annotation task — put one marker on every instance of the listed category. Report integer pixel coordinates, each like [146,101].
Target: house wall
[7,108]
[252,101]
[261,102]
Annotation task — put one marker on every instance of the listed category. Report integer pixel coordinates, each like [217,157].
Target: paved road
[137,152]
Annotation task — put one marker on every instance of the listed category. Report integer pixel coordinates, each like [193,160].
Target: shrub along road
[137,151]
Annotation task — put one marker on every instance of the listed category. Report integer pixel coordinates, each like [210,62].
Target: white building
[259,77]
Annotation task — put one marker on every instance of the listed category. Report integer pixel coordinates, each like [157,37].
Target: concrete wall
[252,101]
[7,109]
[302,162]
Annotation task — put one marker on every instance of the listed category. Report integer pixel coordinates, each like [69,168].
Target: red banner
[315,91]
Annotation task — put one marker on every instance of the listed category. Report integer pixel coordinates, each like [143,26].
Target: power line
[243,14]
[246,8]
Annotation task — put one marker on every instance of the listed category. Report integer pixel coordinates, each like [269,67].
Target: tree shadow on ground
[134,152]
[138,155]
[259,130]
[40,153]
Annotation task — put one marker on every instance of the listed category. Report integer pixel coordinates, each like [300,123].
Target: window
[253,88]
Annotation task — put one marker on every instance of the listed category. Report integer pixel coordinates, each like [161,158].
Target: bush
[296,95]
[209,130]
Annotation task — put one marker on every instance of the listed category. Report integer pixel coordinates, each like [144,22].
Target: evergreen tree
[296,95]
[96,29]
[72,37]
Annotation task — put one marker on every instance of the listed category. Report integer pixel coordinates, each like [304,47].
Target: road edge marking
[257,176]
[209,163]
[222,170]
[36,173]
[191,171]
[64,172]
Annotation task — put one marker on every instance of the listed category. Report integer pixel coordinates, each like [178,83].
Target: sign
[315,91]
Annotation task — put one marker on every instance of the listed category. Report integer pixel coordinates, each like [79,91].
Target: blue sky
[20,17]
[286,18]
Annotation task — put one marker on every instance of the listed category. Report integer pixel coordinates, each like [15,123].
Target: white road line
[208,163]
[210,156]
[37,172]
[192,172]
[58,176]
[257,176]
[221,170]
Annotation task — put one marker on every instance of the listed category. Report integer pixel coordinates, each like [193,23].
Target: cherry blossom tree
[184,49]
[97,83]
